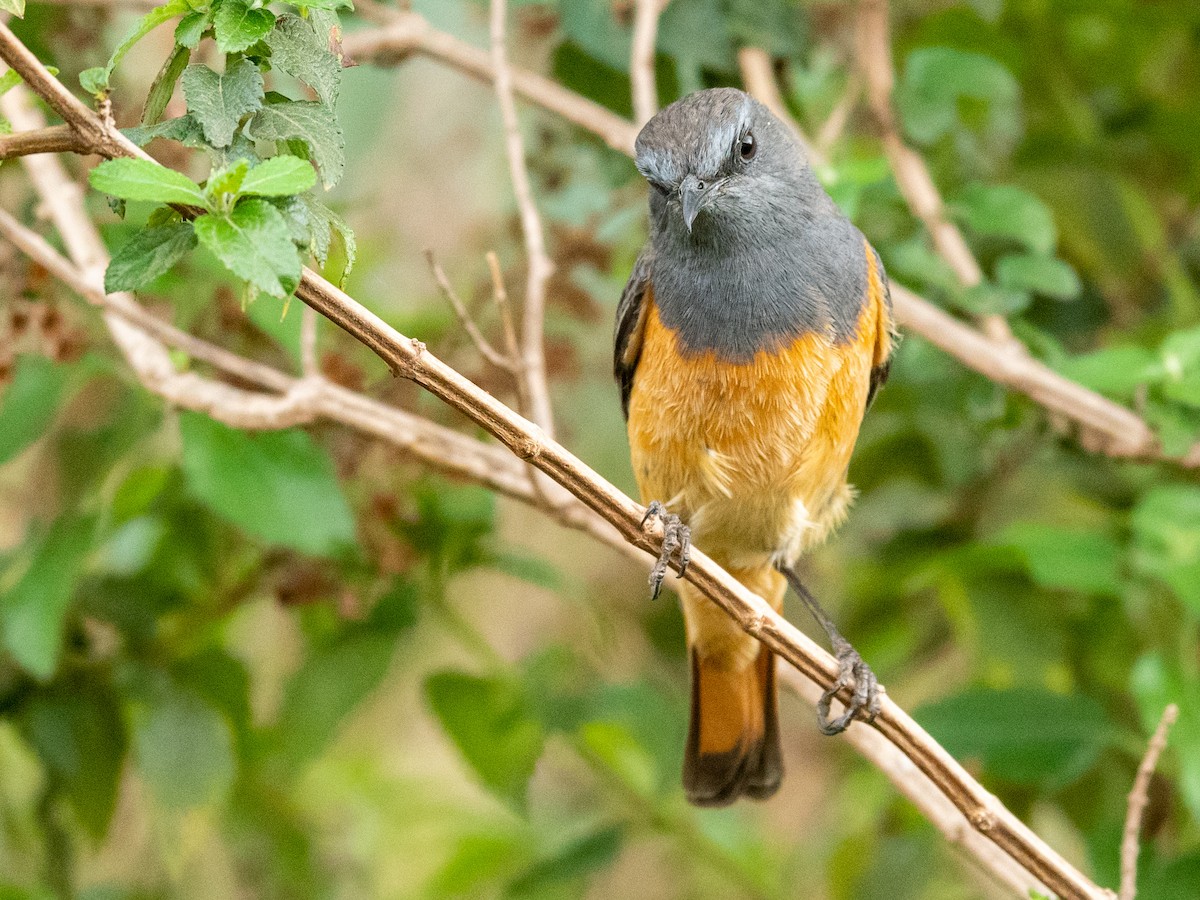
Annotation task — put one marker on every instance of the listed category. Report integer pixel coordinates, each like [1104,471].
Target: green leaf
[9,80]
[183,746]
[1166,530]
[96,80]
[142,179]
[1022,735]
[227,181]
[490,722]
[218,102]
[33,611]
[147,255]
[1068,559]
[29,404]
[1039,274]
[321,222]
[191,28]
[331,683]
[164,85]
[329,4]
[575,859]
[184,129]
[1118,371]
[1003,210]
[78,733]
[279,177]
[938,80]
[254,244]
[311,122]
[278,486]
[237,24]
[15,7]
[297,49]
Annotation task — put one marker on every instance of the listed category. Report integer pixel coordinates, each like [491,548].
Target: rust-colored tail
[733,740]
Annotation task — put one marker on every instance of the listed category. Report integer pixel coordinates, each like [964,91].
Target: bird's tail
[733,740]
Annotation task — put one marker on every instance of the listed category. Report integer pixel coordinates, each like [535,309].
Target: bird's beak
[694,194]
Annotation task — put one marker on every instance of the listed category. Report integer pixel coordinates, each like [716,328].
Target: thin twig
[641,62]
[1138,797]
[912,175]
[54,139]
[758,77]
[533,312]
[509,363]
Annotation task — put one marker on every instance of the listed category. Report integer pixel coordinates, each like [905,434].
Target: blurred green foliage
[292,665]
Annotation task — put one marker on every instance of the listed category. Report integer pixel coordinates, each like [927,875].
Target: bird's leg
[851,668]
[676,536]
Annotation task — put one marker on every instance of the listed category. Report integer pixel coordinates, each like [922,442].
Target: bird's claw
[676,537]
[867,693]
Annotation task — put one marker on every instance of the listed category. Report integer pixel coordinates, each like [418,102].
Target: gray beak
[694,194]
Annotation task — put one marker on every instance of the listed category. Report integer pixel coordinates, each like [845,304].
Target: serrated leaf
[191,28]
[278,486]
[1004,210]
[228,180]
[218,102]
[490,722]
[142,179]
[297,49]
[279,176]
[184,129]
[311,122]
[254,244]
[33,611]
[1038,273]
[29,403]
[183,746]
[322,222]
[237,25]
[164,85]
[149,254]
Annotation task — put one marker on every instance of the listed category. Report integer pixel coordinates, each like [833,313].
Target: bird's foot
[867,693]
[676,537]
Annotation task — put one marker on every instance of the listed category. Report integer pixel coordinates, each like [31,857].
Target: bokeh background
[394,685]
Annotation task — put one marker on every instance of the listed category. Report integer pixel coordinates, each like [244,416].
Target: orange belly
[752,455]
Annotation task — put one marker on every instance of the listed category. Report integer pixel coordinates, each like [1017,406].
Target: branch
[641,62]
[533,313]
[55,139]
[409,358]
[1138,800]
[486,350]
[758,76]
[912,175]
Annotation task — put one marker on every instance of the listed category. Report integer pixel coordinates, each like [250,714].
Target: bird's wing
[879,315]
[631,323]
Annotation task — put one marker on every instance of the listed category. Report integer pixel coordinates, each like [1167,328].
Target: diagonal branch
[409,358]
[641,60]
[1138,799]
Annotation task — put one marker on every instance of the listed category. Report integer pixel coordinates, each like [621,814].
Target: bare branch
[641,63]
[912,175]
[54,139]
[533,312]
[1138,797]
[486,350]
[308,343]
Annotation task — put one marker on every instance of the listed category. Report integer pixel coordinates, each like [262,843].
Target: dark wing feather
[631,320]
[885,341]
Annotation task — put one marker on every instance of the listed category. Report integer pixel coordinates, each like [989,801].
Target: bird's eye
[747,147]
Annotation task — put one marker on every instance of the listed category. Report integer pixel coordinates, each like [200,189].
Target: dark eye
[747,147]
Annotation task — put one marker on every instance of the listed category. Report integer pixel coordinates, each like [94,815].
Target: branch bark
[641,61]
[1138,797]
[409,358]
[54,139]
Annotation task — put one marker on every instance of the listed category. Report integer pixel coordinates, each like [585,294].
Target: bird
[752,335]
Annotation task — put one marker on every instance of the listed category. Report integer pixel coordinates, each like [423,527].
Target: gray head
[720,165]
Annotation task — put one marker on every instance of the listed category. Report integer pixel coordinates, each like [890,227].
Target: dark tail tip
[741,711]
